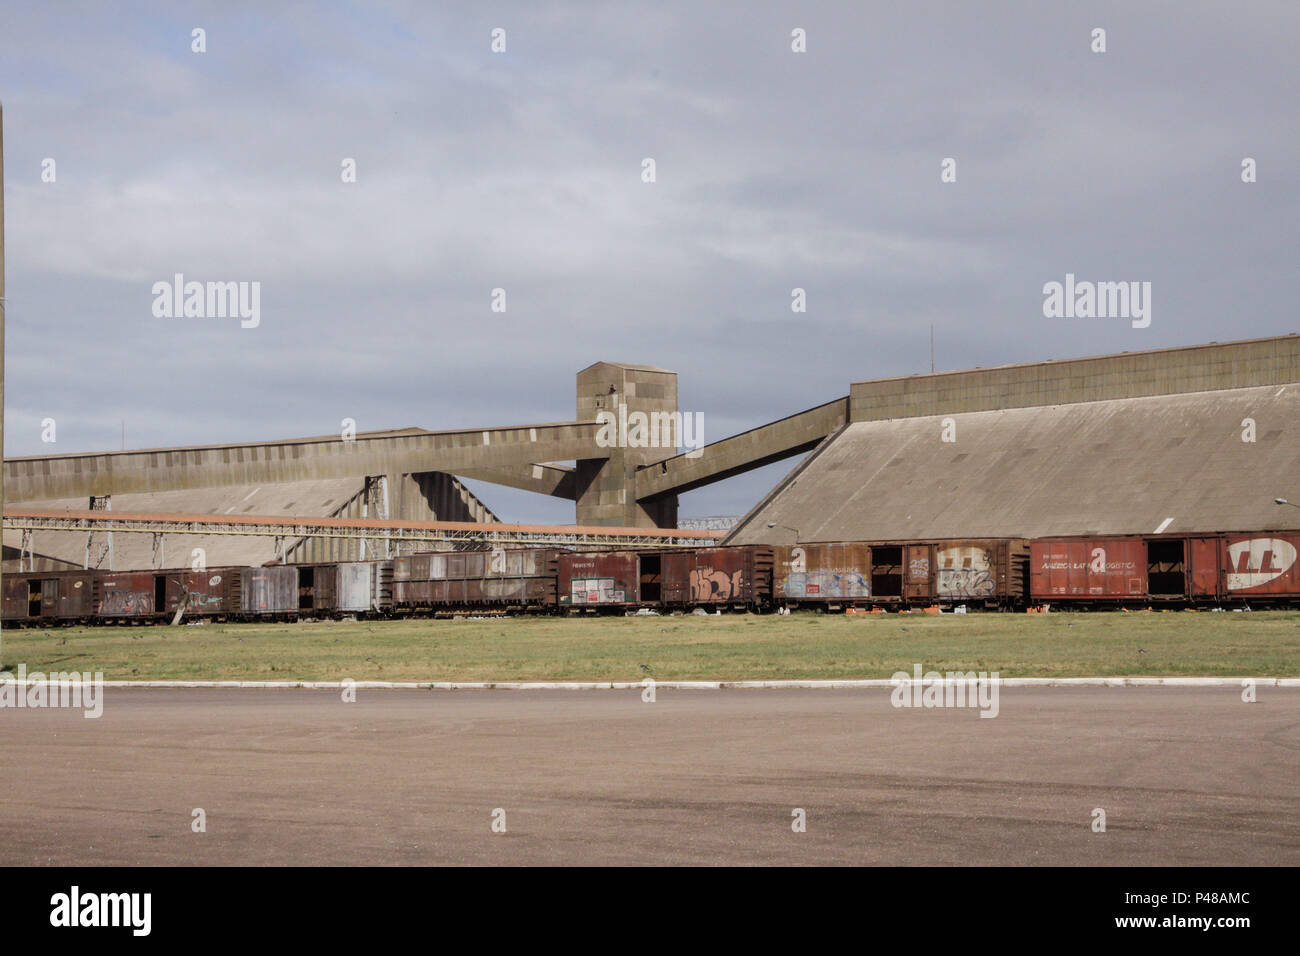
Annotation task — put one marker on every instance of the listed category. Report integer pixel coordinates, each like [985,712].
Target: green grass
[727,647]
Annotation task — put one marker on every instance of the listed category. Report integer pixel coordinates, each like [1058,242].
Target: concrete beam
[558,481]
[755,448]
[403,451]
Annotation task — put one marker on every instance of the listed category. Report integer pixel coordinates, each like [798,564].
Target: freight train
[1220,569]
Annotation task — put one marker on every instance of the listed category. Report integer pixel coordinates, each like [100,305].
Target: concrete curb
[689,685]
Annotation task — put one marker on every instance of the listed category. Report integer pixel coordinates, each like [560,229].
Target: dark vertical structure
[607,486]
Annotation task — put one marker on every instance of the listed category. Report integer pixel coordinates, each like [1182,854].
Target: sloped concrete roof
[1109,467]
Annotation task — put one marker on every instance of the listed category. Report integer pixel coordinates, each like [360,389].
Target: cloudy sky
[522,170]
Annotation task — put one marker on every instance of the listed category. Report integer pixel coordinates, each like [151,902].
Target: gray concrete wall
[1197,368]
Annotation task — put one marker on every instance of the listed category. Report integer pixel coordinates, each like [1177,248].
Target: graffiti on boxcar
[829,582]
[965,583]
[122,603]
[197,600]
[965,574]
[595,591]
[710,585]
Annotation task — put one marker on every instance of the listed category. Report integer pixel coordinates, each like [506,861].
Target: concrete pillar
[606,486]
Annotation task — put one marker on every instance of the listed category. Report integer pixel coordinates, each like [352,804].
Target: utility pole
[931,348]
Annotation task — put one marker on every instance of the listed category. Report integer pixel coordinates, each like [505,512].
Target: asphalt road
[1185,776]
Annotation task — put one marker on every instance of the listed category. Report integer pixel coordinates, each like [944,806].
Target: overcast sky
[522,170]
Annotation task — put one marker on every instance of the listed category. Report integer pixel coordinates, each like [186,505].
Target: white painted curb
[683,684]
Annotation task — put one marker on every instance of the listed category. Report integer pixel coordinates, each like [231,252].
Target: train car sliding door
[48,605]
[1166,568]
[918,576]
[1203,578]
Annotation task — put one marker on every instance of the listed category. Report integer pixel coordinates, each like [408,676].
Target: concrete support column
[637,400]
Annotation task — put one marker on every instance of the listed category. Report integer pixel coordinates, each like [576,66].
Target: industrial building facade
[1200,438]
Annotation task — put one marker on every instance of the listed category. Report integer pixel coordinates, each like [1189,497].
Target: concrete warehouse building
[1174,440]
[1199,438]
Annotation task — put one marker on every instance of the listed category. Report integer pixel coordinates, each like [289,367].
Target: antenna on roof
[931,348]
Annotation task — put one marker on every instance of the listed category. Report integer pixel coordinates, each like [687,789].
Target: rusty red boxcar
[211,593]
[129,594]
[49,596]
[705,577]
[21,598]
[992,572]
[603,580]
[827,573]
[1112,569]
[1164,569]
[1261,565]
[709,577]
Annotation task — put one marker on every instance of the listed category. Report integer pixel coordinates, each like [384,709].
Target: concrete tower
[605,487]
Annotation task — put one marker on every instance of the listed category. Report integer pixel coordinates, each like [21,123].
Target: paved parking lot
[1185,776]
